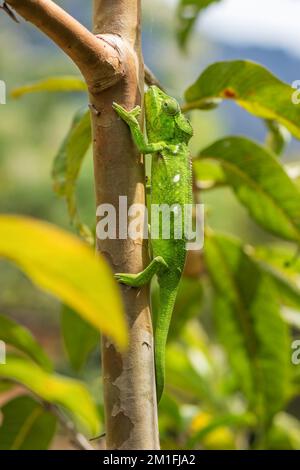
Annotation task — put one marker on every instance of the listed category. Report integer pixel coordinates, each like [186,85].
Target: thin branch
[151,79]
[98,61]
[78,439]
[7,10]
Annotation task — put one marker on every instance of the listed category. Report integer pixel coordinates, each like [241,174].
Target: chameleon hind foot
[144,277]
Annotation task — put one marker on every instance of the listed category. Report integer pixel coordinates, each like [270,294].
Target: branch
[151,79]
[98,60]
[7,10]
[78,439]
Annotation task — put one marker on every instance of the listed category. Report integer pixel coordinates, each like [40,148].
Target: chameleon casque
[168,133]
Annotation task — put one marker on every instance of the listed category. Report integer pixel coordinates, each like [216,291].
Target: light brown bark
[112,65]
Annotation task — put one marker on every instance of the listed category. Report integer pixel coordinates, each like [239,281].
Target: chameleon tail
[167,301]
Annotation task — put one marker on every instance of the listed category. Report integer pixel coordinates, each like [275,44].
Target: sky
[272,23]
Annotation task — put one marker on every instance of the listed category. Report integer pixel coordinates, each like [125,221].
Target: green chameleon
[168,133]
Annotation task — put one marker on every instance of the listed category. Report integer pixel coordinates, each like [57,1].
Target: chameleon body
[168,133]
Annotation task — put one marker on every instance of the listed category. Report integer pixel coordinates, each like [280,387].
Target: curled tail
[167,300]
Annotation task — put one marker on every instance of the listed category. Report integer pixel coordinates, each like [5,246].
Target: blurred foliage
[67,165]
[187,15]
[80,337]
[230,380]
[37,424]
[54,389]
[74,275]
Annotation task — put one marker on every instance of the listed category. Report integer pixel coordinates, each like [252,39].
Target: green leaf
[293,170]
[260,183]
[54,388]
[277,138]
[190,369]
[284,434]
[291,317]
[251,86]
[51,84]
[243,420]
[187,306]
[26,425]
[170,418]
[187,14]
[80,338]
[16,335]
[250,325]
[183,377]
[208,174]
[67,268]
[67,165]
[283,267]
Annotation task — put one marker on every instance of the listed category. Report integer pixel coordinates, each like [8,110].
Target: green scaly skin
[168,133]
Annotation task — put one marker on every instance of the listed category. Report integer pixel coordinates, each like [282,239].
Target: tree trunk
[129,379]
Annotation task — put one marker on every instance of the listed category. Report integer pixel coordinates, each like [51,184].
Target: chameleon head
[164,119]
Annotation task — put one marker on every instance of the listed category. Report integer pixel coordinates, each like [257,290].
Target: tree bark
[129,379]
[112,65]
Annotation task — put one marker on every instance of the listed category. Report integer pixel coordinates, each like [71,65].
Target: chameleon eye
[171,107]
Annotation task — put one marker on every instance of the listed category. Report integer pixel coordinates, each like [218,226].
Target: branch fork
[99,61]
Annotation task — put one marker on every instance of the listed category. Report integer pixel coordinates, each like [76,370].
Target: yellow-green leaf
[66,267]
[80,338]
[208,174]
[52,84]
[260,183]
[283,266]
[16,335]
[250,325]
[54,388]
[26,425]
[277,137]
[67,165]
[251,86]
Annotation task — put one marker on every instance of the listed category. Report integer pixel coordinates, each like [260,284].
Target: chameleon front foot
[130,117]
